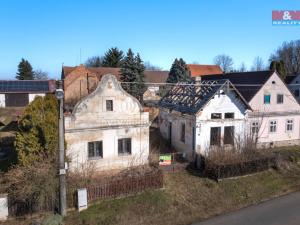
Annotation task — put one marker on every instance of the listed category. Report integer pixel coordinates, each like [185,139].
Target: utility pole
[59,93]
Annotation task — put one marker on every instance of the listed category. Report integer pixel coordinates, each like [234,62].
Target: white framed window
[289,126]
[279,98]
[254,127]
[273,126]
[109,105]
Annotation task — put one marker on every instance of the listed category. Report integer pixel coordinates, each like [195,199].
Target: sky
[52,33]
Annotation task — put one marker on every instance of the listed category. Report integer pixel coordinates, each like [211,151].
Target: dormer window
[109,105]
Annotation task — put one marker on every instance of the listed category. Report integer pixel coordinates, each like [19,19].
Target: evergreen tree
[25,71]
[179,72]
[279,67]
[133,71]
[37,136]
[113,58]
[140,77]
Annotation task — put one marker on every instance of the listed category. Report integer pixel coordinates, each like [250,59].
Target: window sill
[94,158]
[124,154]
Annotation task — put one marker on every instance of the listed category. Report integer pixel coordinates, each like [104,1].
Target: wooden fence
[119,187]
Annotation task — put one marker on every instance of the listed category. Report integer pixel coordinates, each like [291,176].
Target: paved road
[281,211]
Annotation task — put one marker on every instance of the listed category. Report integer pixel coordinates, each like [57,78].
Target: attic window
[273,82]
[109,105]
[216,116]
[229,115]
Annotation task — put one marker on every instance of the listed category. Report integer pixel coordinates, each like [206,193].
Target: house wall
[2,100]
[76,84]
[90,121]
[32,96]
[289,109]
[226,103]
[177,119]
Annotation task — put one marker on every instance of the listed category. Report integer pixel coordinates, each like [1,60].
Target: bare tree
[289,53]
[224,61]
[95,61]
[40,75]
[150,66]
[258,64]
[242,68]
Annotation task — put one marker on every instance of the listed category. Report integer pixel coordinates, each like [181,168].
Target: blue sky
[51,32]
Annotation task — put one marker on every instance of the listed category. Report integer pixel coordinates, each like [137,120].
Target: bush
[37,136]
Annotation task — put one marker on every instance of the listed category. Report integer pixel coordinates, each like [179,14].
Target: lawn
[186,198]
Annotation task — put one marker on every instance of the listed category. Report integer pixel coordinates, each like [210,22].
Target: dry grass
[187,198]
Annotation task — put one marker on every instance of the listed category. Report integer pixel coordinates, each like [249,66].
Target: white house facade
[196,119]
[275,116]
[107,129]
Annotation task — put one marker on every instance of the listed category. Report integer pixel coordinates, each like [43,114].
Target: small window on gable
[216,116]
[279,98]
[267,99]
[109,105]
[229,115]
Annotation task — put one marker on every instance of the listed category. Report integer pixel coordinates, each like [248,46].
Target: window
[273,126]
[124,146]
[215,135]
[95,149]
[267,99]
[254,128]
[109,105]
[229,116]
[182,136]
[279,99]
[289,125]
[296,93]
[216,116]
[229,135]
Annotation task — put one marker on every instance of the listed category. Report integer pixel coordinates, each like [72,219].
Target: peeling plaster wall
[90,121]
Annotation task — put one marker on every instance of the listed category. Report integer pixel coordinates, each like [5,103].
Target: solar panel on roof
[18,86]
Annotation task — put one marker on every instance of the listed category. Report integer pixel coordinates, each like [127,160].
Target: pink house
[275,115]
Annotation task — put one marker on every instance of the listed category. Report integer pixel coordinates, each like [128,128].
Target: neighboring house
[197,70]
[19,93]
[293,83]
[275,118]
[195,119]
[79,81]
[107,129]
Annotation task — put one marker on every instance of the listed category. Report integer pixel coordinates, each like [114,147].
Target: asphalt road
[284,210]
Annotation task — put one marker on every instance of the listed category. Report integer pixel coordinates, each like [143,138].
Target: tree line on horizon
[285,60]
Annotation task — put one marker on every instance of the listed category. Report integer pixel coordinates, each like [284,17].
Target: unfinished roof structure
[189,98]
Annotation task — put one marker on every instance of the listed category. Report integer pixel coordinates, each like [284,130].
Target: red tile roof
[200,70]
[151,76]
